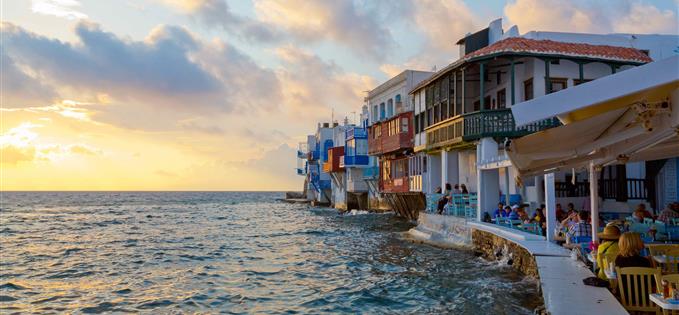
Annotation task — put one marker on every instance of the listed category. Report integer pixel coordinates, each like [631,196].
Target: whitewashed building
[462,113]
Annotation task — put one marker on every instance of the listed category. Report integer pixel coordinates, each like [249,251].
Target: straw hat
[611,232]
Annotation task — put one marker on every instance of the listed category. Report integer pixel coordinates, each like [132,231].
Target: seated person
[523,215]
[640,213]
[630,245]
[560,214]
[608,247]
[670,212]
[513,214]
[499,212]
[580,227]
[539,217]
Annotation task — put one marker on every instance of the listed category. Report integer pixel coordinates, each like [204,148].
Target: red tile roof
[549,47]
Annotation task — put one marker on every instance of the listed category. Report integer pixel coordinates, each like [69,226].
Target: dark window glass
[528,89]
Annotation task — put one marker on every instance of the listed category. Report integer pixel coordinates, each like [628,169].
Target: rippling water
[233,252]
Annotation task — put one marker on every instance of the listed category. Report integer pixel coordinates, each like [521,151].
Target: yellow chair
[634,285]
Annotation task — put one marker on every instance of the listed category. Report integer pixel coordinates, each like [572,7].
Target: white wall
[401,85]
[467,169]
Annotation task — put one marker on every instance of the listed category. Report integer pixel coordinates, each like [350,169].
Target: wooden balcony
[396,185]
[333,163]
[393,135]
[498,123]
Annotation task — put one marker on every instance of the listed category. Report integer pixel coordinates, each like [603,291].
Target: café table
[665,304]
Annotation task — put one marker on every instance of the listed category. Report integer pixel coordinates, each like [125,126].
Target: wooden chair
[634,286]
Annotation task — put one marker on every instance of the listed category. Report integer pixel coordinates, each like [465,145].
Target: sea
[233,253]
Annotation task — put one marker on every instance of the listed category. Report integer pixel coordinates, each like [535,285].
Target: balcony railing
[392,135]
[355,161]
[608,189]
[488,123]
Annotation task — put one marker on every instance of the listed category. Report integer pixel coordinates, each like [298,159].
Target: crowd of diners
[618,248]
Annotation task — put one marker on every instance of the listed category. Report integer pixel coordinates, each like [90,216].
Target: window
[397,98]
[417,123]
[361,147]
[375,113]
[444,113]
[404,124]
[502,98]
[578,82]
[555,61]
[422,123]
[528,89]
[351,147]
[436,114]
[382,111]
[390,108]
[558,84]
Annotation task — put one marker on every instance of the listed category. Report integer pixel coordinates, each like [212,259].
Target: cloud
[442,23]
[339,21]
[643,18]
[19,144]
[18,88]
[66,108]
[310,82]
[170,70]
[59,8]
[218,13]
[590,17]
[83,149]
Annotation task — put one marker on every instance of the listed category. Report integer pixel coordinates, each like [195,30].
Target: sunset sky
[214,94]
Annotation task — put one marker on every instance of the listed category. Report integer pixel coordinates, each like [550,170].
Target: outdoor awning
[625,117]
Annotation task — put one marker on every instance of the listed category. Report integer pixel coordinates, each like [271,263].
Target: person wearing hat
[514,215]
[608,247]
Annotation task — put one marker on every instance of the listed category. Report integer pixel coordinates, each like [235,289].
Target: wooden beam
[482,90]
[512,80]
[548,81]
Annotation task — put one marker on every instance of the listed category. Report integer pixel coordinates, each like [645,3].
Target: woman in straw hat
[608,247]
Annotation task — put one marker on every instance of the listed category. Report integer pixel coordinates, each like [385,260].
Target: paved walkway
[560,276]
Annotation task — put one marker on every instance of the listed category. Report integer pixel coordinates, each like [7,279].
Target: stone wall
[495,248]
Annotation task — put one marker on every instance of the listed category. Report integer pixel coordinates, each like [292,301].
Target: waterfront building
[318,185]
[334,167]
[355,163]
[390,136]
[463,112]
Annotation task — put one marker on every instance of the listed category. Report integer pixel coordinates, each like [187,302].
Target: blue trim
[356,160]
[324,184]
